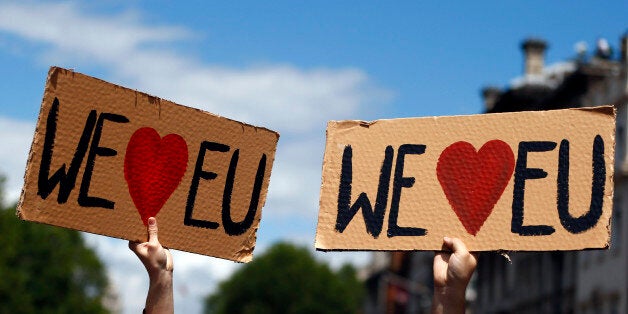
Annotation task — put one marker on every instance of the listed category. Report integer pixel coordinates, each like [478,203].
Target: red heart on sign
[153,168]
[474,181]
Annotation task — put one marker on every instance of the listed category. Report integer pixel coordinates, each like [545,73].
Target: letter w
[66,181]
[373,218]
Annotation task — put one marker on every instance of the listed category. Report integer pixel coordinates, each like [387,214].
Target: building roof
[559,86]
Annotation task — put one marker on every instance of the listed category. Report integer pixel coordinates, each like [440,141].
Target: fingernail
[151,221]
[446,239]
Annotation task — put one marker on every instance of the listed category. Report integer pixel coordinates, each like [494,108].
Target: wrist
[160,276]
[450,291]
[449,300]
[160,294]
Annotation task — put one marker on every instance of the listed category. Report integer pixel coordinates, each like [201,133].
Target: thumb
[152,230]
[459,246]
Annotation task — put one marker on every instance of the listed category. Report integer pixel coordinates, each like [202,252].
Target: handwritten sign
[514,181]
[105,158]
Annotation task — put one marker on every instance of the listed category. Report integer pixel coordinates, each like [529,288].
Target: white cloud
[15,137]
[66,28]
[294,101]
[195,275]
[279,96]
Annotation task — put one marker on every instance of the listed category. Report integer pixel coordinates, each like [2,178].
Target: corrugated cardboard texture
[513,181]
[134,155]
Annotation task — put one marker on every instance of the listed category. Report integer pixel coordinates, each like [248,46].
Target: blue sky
[284,65]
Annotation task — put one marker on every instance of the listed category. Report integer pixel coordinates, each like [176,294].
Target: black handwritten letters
[231,227]
[570,223]
[89,150]
[374,218]
[67,180]
[374,215]
[523,173]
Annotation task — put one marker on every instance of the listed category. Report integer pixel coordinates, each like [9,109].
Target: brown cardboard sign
[105,158]
[513,181]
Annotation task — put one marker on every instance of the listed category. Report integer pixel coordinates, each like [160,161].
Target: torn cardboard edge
[343,133]
[55,70]
[79,96]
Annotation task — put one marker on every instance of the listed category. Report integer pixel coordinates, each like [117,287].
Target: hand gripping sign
[106,158]
[512,181]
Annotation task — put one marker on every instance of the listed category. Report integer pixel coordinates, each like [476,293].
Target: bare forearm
[448,301]
[160,295]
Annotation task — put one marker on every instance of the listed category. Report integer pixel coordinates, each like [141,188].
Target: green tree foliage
[287,279]
[45,269]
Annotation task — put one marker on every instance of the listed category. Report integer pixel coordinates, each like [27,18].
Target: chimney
[490,95]
[534,54]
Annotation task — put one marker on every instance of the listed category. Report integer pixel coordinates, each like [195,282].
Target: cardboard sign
[512,181]
[105,158]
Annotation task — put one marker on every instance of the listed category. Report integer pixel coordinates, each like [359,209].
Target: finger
[439,268]
[447,244]
[441,258]
[133,245]
[458,246]
[152,230]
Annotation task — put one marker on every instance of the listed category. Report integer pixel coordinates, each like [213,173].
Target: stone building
[564,282]
[534,282]
[399,283]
